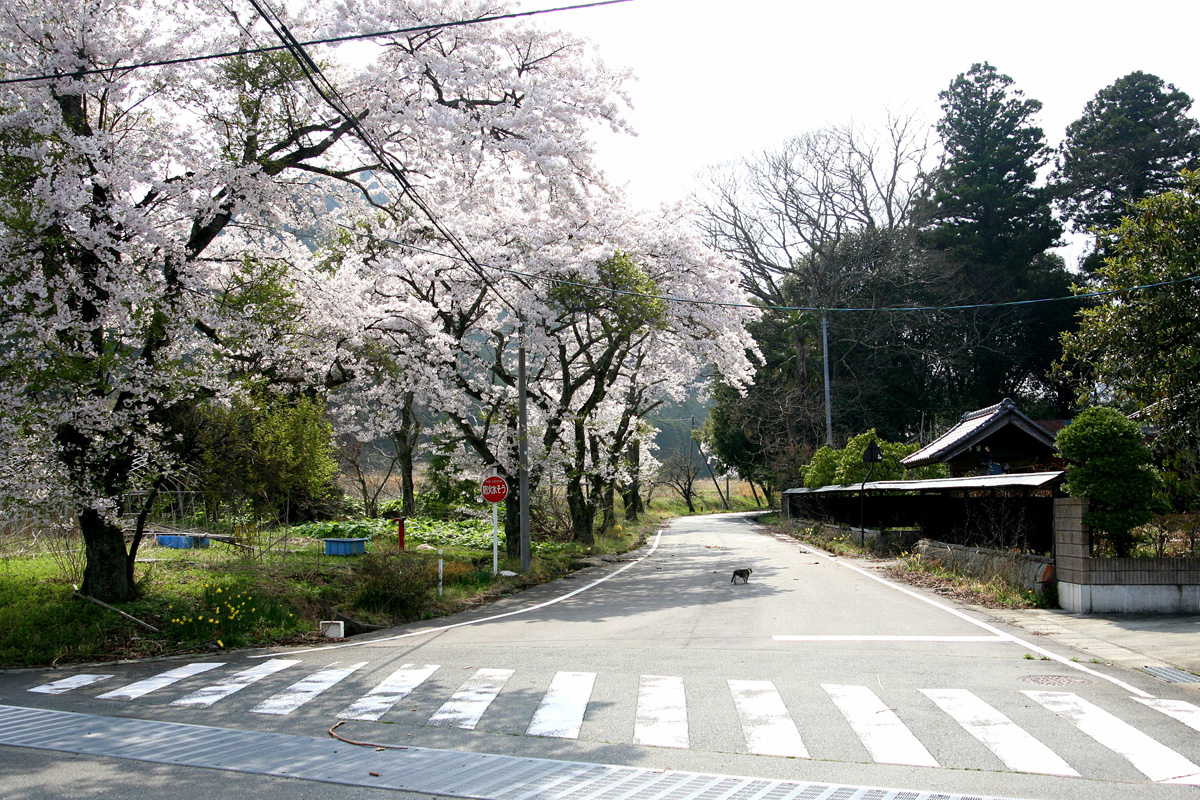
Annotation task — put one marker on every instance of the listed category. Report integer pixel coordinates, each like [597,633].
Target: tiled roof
[973,427]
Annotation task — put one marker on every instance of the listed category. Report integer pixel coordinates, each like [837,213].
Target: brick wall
[1073,562]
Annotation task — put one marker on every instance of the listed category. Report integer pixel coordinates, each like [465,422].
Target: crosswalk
[660,712]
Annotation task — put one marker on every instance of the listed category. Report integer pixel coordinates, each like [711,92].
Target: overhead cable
[167,62]
[723,304]
[326,90]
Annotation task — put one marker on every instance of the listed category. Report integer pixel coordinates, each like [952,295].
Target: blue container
[345,547]
[180,541]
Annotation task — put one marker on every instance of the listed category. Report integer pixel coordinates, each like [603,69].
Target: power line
[722,304]
[167,62]
[329,93]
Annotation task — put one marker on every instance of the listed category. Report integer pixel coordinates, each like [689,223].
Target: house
[995,440]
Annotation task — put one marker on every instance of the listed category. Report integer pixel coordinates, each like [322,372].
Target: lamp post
[871,456]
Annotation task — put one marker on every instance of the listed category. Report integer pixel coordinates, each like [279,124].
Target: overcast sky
[720,80]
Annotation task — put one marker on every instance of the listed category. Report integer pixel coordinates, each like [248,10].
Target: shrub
[1109,464]
[822,468]
[845,466]
[399,584]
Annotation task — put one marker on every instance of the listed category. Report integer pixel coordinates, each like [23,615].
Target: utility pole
[825,364]
[523,452]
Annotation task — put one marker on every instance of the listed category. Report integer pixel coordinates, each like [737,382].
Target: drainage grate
[413,769]
[1172,675]
[1055,680]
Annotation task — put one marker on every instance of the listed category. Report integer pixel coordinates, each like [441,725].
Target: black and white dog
[744,574]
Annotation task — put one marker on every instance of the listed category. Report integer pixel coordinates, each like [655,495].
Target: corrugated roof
[1025,480]
[973,427]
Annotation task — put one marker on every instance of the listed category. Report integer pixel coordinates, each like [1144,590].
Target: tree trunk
[631,493]
[512,518]
[757,503]
[601,489]
[406,443]
[107,575]
[581,509]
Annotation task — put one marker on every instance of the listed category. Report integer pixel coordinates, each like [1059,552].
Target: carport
[1013,511]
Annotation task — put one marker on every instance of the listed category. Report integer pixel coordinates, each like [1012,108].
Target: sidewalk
[1131,640]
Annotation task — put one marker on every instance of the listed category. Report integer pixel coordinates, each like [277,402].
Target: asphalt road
[815,669]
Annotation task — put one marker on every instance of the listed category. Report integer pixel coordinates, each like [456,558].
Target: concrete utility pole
[523,452]
[825,364]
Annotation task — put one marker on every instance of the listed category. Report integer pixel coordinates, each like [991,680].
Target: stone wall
[1017,569]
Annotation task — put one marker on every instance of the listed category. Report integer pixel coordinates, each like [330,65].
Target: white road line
[661,719]
[203,698]
[377,702]
[872,638]
[841,562]
[466,706]
[305,689]
[1186,713]
[766,723]
[538,606]
[136,690]
[67,684]
[1154,760]
[881,731]
[1013,745]
[560,713]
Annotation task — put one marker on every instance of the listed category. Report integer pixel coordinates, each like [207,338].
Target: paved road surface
[813,670]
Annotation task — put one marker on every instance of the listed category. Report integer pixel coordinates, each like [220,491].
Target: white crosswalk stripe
[1017,749]
[135,690]
[465,708]
[766,723]
[661,719]
[383,697]
[1186,713]
[64,685]
[560,714]
[1153,759]
[202,698]
[660,715]
[886,738]
[305,690]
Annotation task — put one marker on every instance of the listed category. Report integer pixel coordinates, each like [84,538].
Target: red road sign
[494,489]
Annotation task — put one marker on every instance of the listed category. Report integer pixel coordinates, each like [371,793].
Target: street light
[871,456]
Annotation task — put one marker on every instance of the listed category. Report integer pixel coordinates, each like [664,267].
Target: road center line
[990,628]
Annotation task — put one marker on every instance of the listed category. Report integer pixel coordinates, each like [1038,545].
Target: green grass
[276,591]
[990,591]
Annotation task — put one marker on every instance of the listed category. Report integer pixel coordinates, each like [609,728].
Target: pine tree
[991,228]
[1131,142]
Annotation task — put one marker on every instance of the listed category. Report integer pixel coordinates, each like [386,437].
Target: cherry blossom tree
[142,210]
[584,284]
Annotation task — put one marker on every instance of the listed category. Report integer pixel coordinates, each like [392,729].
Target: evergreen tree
[1131,142]
[989,227]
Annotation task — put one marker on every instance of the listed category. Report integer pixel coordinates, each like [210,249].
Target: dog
[744,574]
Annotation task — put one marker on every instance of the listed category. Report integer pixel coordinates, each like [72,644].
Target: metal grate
[1052,680]
[413,769]
[1172,675]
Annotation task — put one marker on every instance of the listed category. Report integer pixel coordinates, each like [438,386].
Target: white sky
[720,80]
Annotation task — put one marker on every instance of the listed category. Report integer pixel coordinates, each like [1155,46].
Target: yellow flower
[220,643]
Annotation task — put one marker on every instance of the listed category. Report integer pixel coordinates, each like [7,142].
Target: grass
[994,592]
[274,592]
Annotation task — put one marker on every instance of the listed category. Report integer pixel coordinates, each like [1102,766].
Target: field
[267,585]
